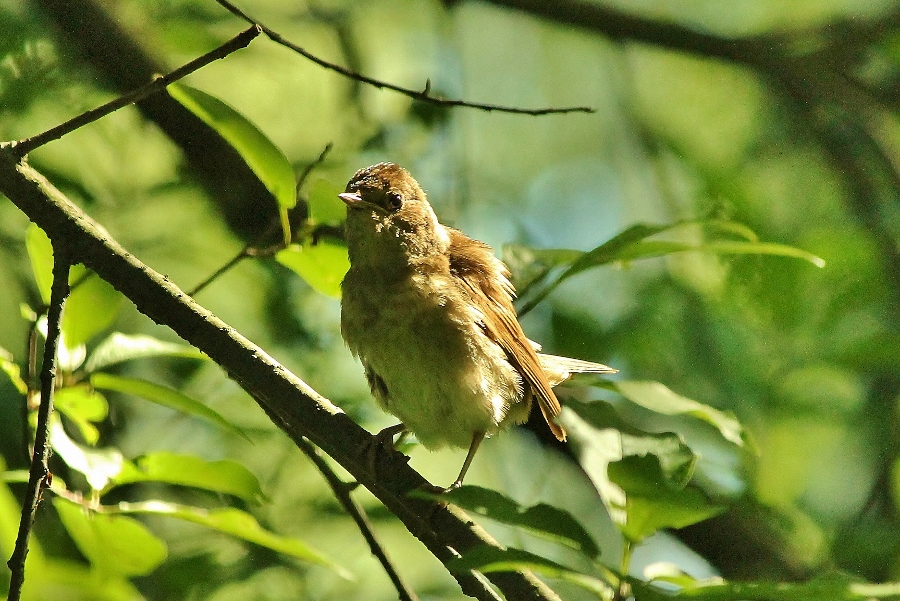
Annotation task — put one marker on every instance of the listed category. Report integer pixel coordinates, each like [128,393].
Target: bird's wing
[486,281]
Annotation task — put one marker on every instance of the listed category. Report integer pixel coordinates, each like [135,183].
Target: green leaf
[84,406]
[236,523]
[79,581]
[650,507]
[161,395]
[543,520]
[97,465]
[659,398]
[634,243]
[112,544]
[641,477]
[225,476]
[486,559]
[91,308]
[12,371]
[836,586]
[261,155]
[10,515]
[92,304]
[529,266]
[322,265]
[119,347]
[324,204]
[40,253]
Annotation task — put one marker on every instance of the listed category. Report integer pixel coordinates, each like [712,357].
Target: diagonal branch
[291,404]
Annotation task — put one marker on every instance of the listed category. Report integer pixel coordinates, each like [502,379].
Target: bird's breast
[443,377]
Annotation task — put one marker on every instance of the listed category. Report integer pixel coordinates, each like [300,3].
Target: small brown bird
[429,312]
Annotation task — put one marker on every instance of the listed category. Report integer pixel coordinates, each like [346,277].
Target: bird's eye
[394,202]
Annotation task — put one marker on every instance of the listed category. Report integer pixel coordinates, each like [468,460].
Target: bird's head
[387,211]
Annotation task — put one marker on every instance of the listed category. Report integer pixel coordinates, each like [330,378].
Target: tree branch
[292,405]
[85,28]
[39,475]
[158,83]
[619,25]
[341,490]
[423,95]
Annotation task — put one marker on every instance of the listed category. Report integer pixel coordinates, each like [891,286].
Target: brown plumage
[429,312]
[486,279]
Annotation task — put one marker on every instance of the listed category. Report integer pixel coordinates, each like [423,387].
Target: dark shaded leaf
[161,395]
[486,559]
[543,520]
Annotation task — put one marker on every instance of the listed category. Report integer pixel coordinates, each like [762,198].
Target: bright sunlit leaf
[636,243]
[85,407]
[98,466]
[322,265]
[9,367]
[236,523]
[91,308]
[119,347]
[227,477]
[659,398]
[642,477]
[40,253]
[113,544]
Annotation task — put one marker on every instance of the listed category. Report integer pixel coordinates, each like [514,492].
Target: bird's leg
[382,441]
[476,442]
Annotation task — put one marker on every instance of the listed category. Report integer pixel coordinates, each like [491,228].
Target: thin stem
[424,95]
[352,507]
[249,249]
[23,147]
[39,475]
[623,591]
[309,168]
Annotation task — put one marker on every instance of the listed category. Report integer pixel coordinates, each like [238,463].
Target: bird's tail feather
[558,369]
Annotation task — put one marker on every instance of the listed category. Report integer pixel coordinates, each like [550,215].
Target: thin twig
[250,249]
[23,147]
[39,474]
[424,95]
[351,506]
[309,168]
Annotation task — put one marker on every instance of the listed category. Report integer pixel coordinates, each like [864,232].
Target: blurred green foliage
[798,459]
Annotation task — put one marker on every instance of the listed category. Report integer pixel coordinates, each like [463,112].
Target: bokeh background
[782,116]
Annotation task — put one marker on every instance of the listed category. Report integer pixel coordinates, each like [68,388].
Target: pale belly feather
[445,380]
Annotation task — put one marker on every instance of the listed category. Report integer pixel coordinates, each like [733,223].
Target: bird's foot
[383,441]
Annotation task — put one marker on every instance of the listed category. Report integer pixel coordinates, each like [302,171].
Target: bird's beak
[351,199]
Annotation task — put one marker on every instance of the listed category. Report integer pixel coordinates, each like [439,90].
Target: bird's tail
[559,369]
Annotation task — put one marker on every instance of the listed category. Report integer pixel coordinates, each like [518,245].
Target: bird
[429,312]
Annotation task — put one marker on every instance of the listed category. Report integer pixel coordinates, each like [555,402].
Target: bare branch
[241,40]
[424,95]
